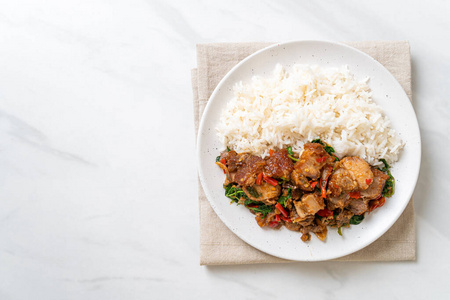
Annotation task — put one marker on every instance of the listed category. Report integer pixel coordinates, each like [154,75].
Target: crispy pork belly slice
[350,174]
[301,181]
[358,206]
[376,187]
[265,192]
[359,170]
[250,167]
[279,165]
[312,160]
[309,205]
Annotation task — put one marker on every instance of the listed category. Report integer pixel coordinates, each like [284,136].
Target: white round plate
[387,92]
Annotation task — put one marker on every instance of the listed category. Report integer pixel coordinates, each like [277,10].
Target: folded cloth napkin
[218,245]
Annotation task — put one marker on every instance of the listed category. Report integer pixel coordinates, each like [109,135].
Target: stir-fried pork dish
[305,192]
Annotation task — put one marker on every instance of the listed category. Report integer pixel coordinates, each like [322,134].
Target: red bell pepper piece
[271,152]
[313,184]
[321,159]
[270,180]
[288,220]
[355,195]
[325,213]
[368,181]
[273,224]
[377,203]
[282,210]
[259,179]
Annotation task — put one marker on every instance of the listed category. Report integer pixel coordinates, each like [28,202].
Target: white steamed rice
[309,102]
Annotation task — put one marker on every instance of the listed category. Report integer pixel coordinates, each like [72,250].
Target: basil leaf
[389,186]
[283,199]
[289,150]
[234,193]
[253,192]
[259,207]
[386,166]
[356,219]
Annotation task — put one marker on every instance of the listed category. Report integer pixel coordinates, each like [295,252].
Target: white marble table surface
[98,184]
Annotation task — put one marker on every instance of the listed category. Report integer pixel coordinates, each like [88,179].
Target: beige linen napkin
[218,245]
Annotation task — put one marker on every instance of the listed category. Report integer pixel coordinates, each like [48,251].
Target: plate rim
[209,105]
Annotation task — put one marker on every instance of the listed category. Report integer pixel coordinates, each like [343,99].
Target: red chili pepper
[324,180]
[223,161]
[270,180]
[325,213]
[273,224]
[313,184]
[355,195]
[277,218]
[288,220]
[271,152]
[368,181]
[259,179]
[282,210]
[377,203]
[321,159]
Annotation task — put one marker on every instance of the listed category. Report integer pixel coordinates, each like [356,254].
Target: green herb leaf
[389,186]
[234,193]
[293,158]
[258,207]
[253,192]
[218,158]
[329,149]
[282,180]
[386,166]
[228,149]
[283,199]
[289,150]
[339,231]
[291,153]
[356,219]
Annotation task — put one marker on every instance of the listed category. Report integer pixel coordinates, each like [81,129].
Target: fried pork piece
[312,160]
[340,182]
[317,227]
[306,237]
[265,192]
[335,202]
[358,206]
[248,168]
[233,159]
[309,205]
[343,217]
[265,221]
[301,181]
[279,165]
[293,226]
[350,174]
[376,187]
[359,169]
[295,218]
[296,194]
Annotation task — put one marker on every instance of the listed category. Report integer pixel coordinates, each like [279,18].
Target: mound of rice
[309,102]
